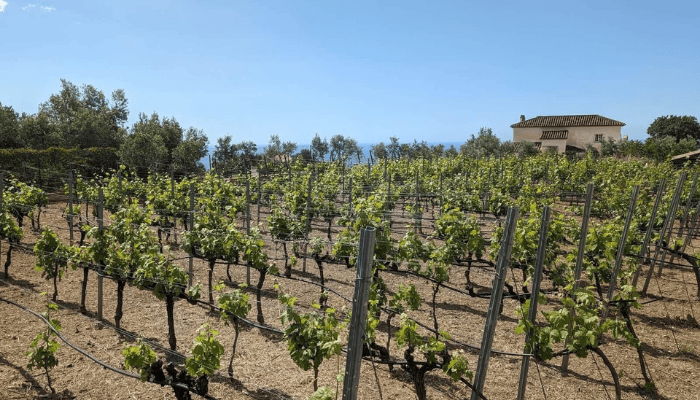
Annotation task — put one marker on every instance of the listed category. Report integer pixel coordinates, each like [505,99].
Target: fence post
[495,301]
[650,228]
[350,194]
[388,200]
[670,233]
[100,226]
[259,195]
[2,199]
[247,224]
[307,228]
[191,224]
[172,194]
[416,212]
[70,207]
[363,281]
[441,193]
[536,281]
[684,219]
[691,229]
[579,256]
[668,225]
[623,239]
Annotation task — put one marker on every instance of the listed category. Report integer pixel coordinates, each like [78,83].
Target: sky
[433,71]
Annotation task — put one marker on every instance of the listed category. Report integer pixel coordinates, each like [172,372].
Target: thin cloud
[42,8]
[2,5]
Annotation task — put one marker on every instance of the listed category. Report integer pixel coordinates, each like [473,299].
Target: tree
[187,154]
[157,144]
[394,147]
[248,151]
[37,132]
[352,149]
[527,149]
[337,147]
[379,151]
[437,150]
[484,144]
[319,148]
[663,147]
[144,151]
[305,156]
[507,147]
[608,147]
[168,129]
[420,149]
[9,128]
[678,127]
[85,117]
[633,148]
[274,147]
[288,148]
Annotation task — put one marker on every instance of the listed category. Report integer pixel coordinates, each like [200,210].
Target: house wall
[578,135]
[560,144]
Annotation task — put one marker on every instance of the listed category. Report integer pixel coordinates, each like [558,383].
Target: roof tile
[554,135]
[567,120]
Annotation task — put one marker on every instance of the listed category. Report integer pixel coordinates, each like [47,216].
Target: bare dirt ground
[263,368]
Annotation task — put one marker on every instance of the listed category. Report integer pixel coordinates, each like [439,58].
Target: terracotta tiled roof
[554,135]
[567,120]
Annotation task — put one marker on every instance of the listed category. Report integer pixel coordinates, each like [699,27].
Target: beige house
[566,132]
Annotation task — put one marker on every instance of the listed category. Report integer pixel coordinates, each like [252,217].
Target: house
[566,132]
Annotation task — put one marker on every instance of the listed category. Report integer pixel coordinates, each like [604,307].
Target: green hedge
[49,168]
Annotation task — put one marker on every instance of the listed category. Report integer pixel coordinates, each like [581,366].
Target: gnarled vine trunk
[55,286]
[613,372]
[233,353]
[323,299]
[8,261]
[258,293]
[624,309]
[120,301]
[84,290]
[287,264]
[212,262]
[170,307]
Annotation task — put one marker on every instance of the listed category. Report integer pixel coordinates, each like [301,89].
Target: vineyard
[241,285]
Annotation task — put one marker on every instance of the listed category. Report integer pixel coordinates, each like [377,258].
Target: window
[598,138]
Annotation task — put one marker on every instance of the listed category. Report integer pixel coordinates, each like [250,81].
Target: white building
[566,132]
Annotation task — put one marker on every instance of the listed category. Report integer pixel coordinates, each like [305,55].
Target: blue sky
[434,71]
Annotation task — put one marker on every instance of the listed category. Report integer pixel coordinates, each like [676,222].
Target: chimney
[522,118]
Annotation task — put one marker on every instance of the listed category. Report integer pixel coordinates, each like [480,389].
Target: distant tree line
[83,117]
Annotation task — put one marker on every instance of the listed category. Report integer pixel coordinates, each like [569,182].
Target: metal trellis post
[623,239]
[536,281]
[668,225]
[358,320]
[495,301]
[579,256]
[650,228]
[100,278]
[191,225]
